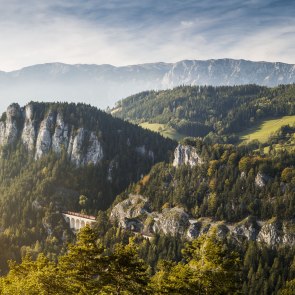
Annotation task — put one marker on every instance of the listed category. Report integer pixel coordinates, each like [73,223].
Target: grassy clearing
[163,129]
[262,131]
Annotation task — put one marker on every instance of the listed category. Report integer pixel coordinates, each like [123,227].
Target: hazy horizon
[146,63]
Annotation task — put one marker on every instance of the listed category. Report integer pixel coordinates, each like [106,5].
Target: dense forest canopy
[225,186]
[202,110]
[34,192]
[230,184]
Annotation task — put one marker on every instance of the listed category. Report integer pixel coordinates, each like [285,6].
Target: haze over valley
[104,85]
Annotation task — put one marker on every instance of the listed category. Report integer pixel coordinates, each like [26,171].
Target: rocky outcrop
[261,179]
[202,226]
[49,133]
[248,228]
[172,222]
[194,230]
[29,132]
[94,151]
[77,148]
[44,138]
[187,155]
[288,233]
[60,138]
[271,233]
[128,211]
[134,214]
[9,128]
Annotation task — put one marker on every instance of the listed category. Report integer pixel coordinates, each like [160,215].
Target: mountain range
[103,85]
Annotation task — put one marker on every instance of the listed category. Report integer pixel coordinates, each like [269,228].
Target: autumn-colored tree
[32,278]
[289,289]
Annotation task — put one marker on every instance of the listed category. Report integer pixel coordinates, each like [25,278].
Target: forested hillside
[215,112]
[211,219]
[46,170]
[240,239]
[231,184]
[88,268]
[243,195]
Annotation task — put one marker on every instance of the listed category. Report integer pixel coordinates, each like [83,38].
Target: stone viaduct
[78,220]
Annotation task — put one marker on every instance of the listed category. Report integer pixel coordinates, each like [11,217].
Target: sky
[123,32]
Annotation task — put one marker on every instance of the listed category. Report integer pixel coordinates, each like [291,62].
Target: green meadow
[262,131]
[163,129]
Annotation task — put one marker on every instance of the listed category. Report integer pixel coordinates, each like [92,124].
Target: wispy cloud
[127,31]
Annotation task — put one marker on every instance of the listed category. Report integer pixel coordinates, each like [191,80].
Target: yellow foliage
[145,180]
[213,183]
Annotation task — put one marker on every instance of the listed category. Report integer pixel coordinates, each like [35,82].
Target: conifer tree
[126,273]
[83,264]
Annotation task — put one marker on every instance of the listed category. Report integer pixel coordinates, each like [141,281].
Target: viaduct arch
[78,220]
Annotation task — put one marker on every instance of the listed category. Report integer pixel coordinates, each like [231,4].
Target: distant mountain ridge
[103,85]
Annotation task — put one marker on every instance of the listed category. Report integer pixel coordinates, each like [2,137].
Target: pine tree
[126,273]
[83,264]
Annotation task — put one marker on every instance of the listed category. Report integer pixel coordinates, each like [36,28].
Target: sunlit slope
[163,129]
[262,131]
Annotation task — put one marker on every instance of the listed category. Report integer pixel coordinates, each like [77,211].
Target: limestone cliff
[185,154]
[9,128]
[29,132]
[47,133]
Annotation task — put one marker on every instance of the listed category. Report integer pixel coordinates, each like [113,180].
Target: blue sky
[122,32]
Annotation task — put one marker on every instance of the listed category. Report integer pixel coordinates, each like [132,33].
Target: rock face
[50,133]
[248,229]
[29,132]
[271,233]
[194,230]
[128,212]
[60,137]
[94,151]
[261,179]
[172,222]
[134,214]
[44,138]
[9,128]
[187,155]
